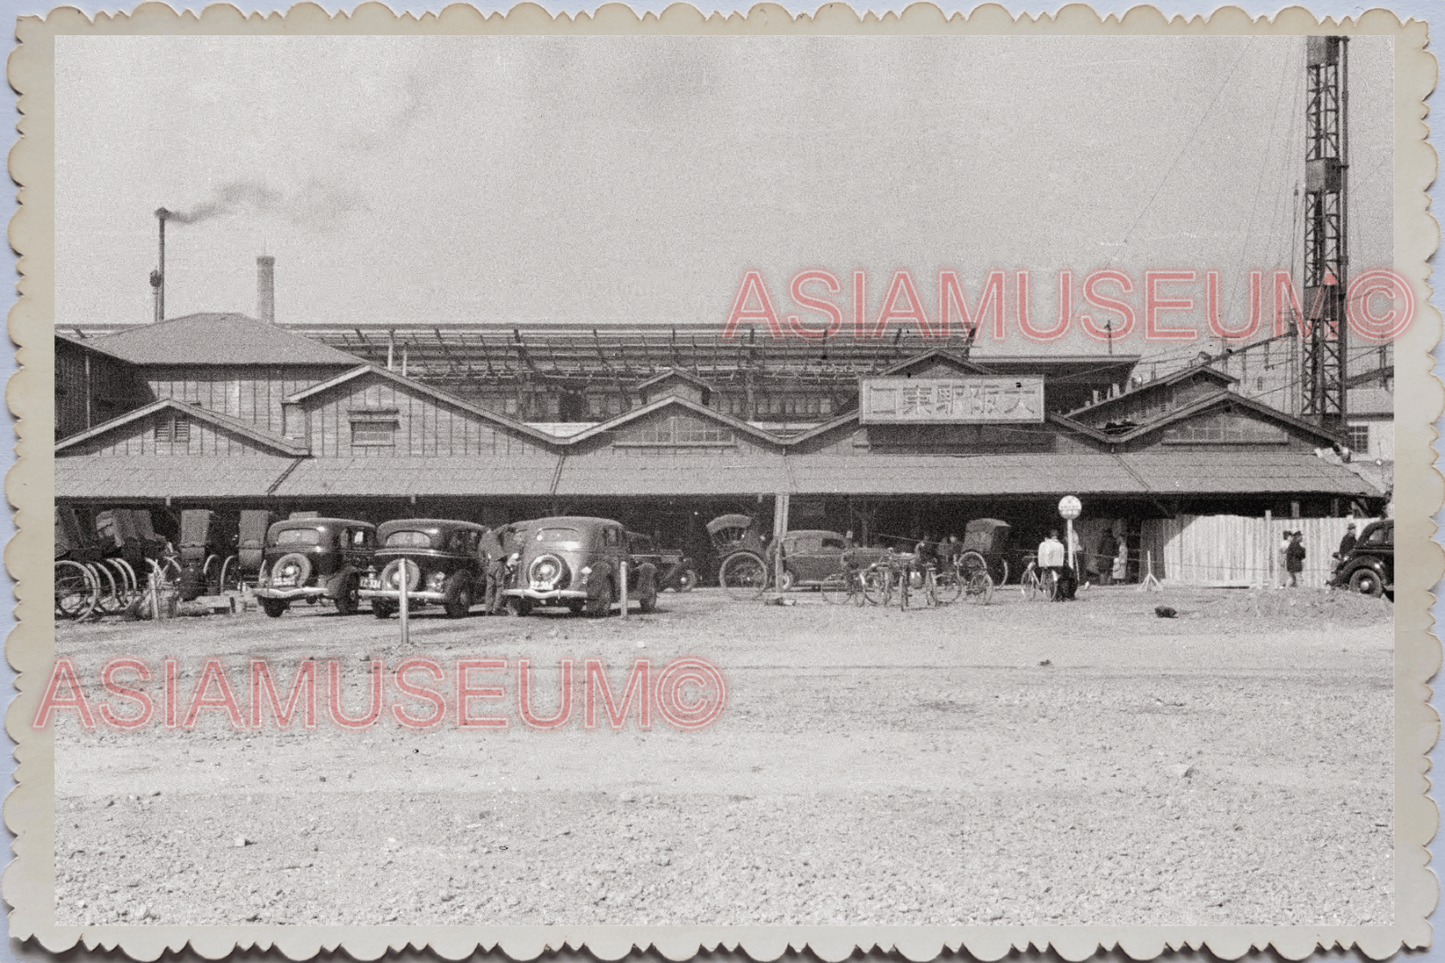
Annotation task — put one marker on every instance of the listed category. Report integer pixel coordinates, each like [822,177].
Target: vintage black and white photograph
[804,480]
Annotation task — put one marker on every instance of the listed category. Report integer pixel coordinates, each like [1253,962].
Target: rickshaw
[809,557]
[743,570]
[986,545]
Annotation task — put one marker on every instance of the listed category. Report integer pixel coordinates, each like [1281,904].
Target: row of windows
[602,407]
[677,430]
[1222,431]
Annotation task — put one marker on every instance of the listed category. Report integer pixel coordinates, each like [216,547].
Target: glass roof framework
[458,357]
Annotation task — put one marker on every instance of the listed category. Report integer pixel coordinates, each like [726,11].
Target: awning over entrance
[383,476]
[977,475]
[1144,474]
[153,477]
[1193,472]
[630,477]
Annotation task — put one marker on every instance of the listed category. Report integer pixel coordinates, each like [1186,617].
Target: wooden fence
[1234,550]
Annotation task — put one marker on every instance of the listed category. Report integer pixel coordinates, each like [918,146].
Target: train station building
[666,428]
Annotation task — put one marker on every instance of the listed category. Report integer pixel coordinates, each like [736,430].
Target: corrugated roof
[218,339]
[386,476]
[637,476]
[1215,471]
[176,476]
[984,474]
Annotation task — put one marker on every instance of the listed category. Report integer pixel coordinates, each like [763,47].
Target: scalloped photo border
[29,880]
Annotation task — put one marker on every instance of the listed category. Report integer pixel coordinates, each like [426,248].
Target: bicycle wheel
[980,588]
[111,599]
[877,586]
[835,587]
[76,590]
[1049,585]
[947,587]
[1029,583]
[743,575]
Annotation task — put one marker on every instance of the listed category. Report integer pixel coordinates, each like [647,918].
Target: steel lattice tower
[1326,258]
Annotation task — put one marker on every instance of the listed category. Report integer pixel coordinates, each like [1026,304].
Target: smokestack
[158,276]
[266,288]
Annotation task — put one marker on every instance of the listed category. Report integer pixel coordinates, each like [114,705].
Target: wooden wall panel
[426,426]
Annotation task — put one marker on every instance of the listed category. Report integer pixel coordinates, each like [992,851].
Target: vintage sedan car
[809,557]
[674,569]
[310,559]
[576,561]
[441,562]
[1370,567]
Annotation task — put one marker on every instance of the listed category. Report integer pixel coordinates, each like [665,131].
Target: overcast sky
[635,180]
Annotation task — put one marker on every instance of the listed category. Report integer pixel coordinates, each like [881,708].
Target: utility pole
[1326,258]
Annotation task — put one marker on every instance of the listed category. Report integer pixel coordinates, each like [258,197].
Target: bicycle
[974,580]
[1037,582]
[844,587]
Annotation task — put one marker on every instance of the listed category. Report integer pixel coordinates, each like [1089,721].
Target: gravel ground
[1016,763]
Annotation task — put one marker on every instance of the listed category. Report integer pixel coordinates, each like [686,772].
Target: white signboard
[961,400]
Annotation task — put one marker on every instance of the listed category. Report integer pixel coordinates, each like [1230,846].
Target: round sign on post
[1069,509]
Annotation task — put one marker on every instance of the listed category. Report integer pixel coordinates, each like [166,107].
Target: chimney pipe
[158,277]
[266,288]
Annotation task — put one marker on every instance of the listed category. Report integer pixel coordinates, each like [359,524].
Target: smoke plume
[311,204]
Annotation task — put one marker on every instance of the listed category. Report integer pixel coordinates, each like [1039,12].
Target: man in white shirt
[1051,555]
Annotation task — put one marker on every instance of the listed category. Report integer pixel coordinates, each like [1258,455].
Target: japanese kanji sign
[951,400]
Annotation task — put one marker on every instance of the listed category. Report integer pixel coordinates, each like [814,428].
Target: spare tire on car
[293,568]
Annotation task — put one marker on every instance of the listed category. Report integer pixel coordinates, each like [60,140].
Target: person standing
[1347,544]
[495,561]
[1295,558]
[1051,559]
[1108,548]
[1282,559]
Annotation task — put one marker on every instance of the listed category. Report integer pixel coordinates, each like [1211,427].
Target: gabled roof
[1200,370]
[86,344]
[421,389]
[225,422]
[667,374]
[218,339]
[935,354]
[1320,435]
[674,400]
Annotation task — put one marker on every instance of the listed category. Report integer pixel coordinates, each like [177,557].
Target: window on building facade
[175,429]
[1359,437]
[373,432]
[677,430]
[1225,430]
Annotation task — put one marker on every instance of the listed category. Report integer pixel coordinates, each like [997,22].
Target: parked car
[674,569]
[441,562]
[576,561]
[312,559]
[809,557]
[1370,567]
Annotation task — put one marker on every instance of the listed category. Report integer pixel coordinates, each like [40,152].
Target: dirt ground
[1023,762]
